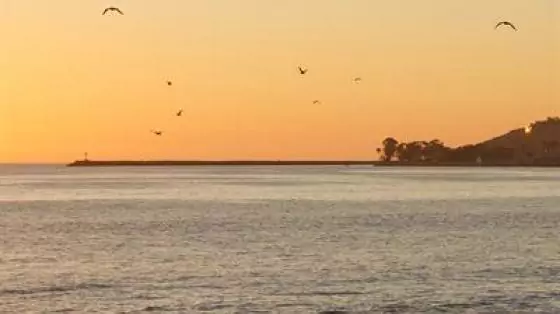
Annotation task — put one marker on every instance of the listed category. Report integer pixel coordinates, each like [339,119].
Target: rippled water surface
[279,240]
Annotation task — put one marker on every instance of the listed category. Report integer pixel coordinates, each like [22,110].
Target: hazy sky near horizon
[72,80]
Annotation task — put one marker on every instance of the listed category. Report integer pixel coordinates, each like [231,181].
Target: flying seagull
[357,80]
[158,133]
[179,113]
[506,23]
[115,9]
[302,71]
[316,102]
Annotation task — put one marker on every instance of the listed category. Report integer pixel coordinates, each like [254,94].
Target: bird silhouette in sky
[179,113]
[302,71]
[157,132]
[114,9]
[316,102]
[357,79]
[169,83]
[506,23]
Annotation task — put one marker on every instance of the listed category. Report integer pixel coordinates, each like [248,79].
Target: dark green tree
[389,148]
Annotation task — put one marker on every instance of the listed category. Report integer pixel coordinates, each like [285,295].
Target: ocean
[279,240]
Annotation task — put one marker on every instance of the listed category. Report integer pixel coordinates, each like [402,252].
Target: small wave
[284,305]
[189,278]
[154,308]
[454,306]
[33,291]
[88,286]
[211,307]
[323,293]
[396,308]
[504,303]
[203,286]
[147,297]
[64,310]
[515,272]
[82,286]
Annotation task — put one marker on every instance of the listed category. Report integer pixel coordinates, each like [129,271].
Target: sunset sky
[73,81]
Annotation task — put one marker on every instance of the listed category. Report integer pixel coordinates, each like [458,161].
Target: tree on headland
[435,150]
[536,144]
[415,151]
[411,152]
[389,148]
[379,153]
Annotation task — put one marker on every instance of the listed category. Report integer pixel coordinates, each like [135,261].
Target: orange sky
[72,80]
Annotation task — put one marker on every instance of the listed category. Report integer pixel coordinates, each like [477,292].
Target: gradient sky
[72,80]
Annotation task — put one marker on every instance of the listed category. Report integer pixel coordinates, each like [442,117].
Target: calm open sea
[279,240]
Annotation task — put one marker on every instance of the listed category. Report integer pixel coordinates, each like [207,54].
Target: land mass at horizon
[537,145]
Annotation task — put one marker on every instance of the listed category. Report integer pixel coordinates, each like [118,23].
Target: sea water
[279,240]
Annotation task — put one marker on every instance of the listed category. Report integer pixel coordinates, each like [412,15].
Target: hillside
[536,145]
[539,142]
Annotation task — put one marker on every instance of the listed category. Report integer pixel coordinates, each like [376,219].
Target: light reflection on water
[250,183]
[280,239]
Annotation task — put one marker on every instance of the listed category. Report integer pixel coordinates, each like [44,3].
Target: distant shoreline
[144,163]
[117,163]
